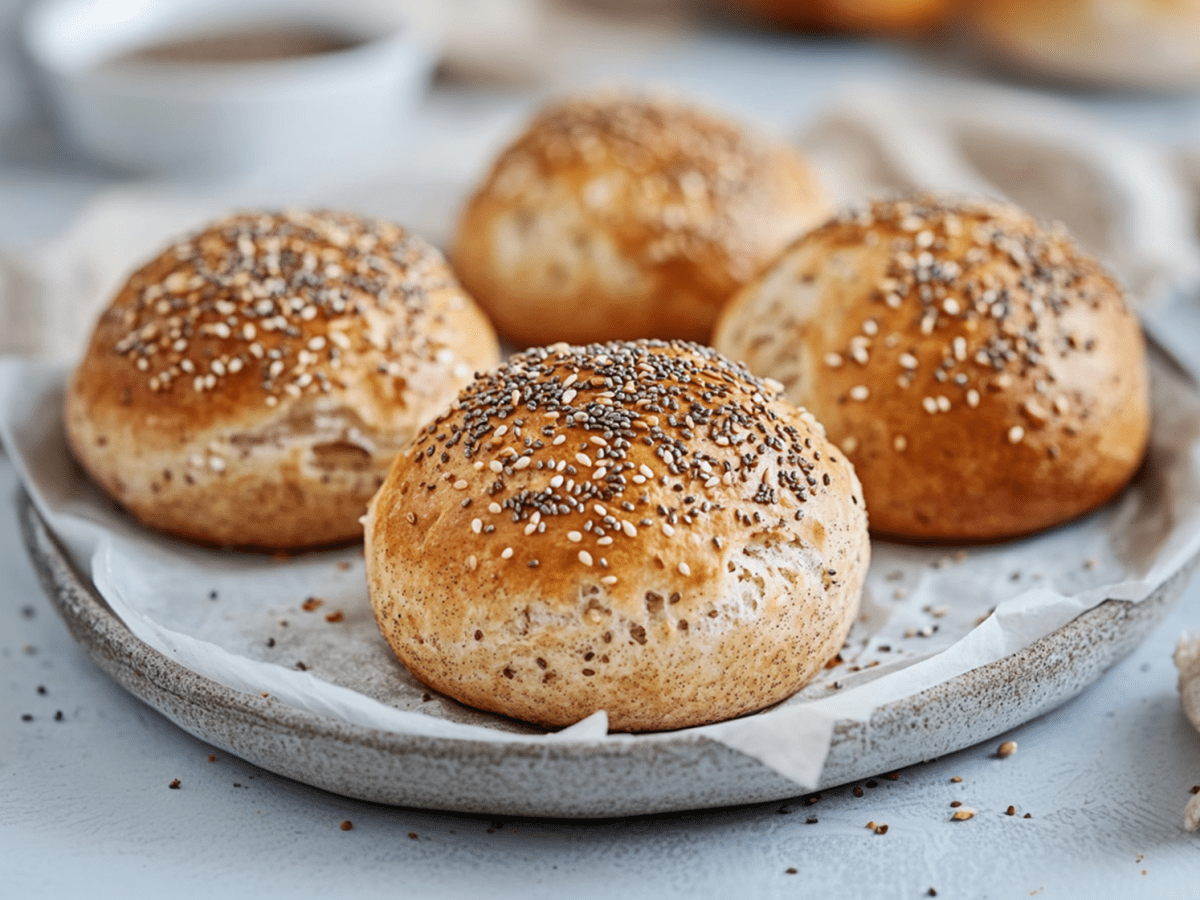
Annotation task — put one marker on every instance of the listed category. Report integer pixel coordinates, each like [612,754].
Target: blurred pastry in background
[618,216]
[984,375]
[1151,44]
[854,15]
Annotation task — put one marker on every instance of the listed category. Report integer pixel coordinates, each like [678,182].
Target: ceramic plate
[666,772]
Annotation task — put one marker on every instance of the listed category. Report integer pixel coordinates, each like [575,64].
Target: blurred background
[123,121]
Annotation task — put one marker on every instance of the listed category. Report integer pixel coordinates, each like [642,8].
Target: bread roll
[854,15]
[616,217]
[642,528]
[1122,43]
[251,385]
[983,374]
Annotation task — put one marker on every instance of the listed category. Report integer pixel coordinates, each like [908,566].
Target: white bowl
[213,118]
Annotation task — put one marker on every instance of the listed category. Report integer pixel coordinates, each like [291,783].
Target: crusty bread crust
[618,217]
[984,375]
[251,385]
[642,528]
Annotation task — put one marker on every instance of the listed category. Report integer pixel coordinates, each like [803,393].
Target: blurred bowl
[203,87]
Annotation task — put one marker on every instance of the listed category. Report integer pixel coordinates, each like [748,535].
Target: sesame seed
[556,481]
[521,463]
[943,404]
[1016,434]
[585,557]
[506,553]
[908,361]
[216,464]
[609,579]
[561,439]
[860,392]
[972,398]
[833,360]
[460,485]
[496,466]
[477,525]
[1036,411]
[501,431]
[574,536]
[667,529]
[629,530]
[583,459]
[495,509]
[568,396]
[930,405]
[900,443]
[472,563]
[685,569]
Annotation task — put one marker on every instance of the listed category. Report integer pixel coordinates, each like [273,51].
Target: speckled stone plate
[656,773]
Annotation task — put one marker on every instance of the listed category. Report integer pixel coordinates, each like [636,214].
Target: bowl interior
[73,36]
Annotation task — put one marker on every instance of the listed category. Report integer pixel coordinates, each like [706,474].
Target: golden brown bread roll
[983,374]
[854,15]
[642,528]
[615,216]
[251,385]
[1124,43]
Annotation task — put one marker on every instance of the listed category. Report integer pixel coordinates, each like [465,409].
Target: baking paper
[301,629]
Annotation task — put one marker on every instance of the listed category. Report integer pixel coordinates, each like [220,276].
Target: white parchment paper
[301,629]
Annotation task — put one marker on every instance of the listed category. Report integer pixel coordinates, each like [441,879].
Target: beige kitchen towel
[1128,202]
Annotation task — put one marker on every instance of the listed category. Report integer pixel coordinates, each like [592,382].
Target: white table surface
[85,803]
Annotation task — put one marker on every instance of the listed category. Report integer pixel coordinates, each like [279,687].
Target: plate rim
[181,694]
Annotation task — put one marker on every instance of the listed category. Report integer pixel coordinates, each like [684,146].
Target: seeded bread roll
[642,528]
[251,385]
[1123,43]
[617,217]
[983,374]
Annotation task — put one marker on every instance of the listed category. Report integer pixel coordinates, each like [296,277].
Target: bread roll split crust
[251,384]
[642,528]
[983,374]
[616,216]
